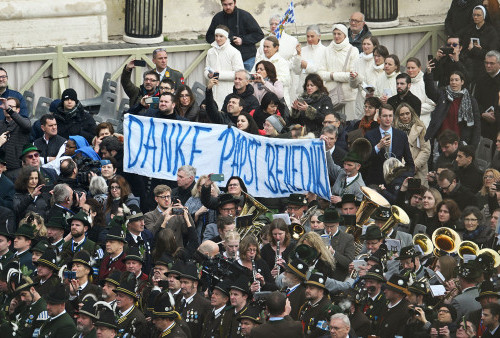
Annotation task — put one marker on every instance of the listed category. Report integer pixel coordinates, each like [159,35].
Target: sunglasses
[32,156]
[454,44]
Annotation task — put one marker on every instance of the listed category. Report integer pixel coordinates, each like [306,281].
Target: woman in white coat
[224,59]
[271,48]
[359,74]
[332,71]
[414,69]
[310,57]
[386,81]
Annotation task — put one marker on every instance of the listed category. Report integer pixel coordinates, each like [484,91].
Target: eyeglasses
[32,156]
[355,21]
[233,185]
[114,187]
[446,188]
[444,311]
[488,177]
[167,197]
[325,122]
[3,77]
[454,44]
[470,220]
[330,226]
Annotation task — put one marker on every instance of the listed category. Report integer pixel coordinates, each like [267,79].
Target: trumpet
[494,255]
[424,242]
[445,239]
[467,248]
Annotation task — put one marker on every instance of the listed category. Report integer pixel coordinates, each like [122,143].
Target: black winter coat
[320,105]
[77,121]
[19,134]
[250,102]
[459,15]
[470,135]
[241,24]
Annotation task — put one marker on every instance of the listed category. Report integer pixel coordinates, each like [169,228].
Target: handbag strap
[347,58]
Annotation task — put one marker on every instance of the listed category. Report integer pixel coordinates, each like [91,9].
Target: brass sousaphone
[398,215]
[445,239]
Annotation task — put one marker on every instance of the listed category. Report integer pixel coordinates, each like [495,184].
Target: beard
[77,234]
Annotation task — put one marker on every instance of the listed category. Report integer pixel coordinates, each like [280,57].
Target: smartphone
[447,50]
[252,77]
[216,75]
[177,211]
[216,177]
[414,184]
[430,57]
[139,63]
[69,274]
[154,99]
[387,92]
[475,41]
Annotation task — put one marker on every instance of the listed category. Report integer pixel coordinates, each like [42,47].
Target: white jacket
[333,62]
[418,89]
[314,56]
[225,60]
[363,65]
[282,72]
[386,83]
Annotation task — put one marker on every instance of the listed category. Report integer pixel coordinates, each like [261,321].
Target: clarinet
[278,256]
[254,274]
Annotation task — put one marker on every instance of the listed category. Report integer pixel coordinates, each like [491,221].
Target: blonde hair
[195,192]
[40,229]
[388,168]
[496,177]
[314,240]
[232,235]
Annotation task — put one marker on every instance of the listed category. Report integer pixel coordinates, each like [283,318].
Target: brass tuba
[492,253]
[252,207]
[424,242]
[371,201]
[467,248]
[398,216]
[445,239]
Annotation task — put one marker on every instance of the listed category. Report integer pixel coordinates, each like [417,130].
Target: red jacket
[106,268]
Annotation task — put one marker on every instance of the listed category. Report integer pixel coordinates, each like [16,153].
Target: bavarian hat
[175,269]
[223,286]
[165,260]
[253,313]
[190,271]
[116,233]
[88,308]
[127,285]
[408,252]
[134,254]
[317,279]
[419,288]
[306,253]
[58,294]
[113,278]
[379,255]
[165,307]
[4,231]
[372,232]
[242,283]
[381,214]
[135,213]
[28,148]
[83,257]
[48,259]
[106,318]
[298,267]
[41,247]
[348,198]
[331,215]
[26,230]
[352,156]
[375,273]
[57,221]
[297,199]
[487,289]
[19,282]
[82,217]
[470,270]
[226,199]
[398,284]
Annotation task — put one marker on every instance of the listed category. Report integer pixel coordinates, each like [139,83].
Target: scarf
[471,235]
[365,124]
[406,127]
[379,68]
[340,46]
[366,57]
[465,109]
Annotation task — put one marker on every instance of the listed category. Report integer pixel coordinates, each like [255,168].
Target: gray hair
[330,129]
[188,169]
[389,166]
[493,53]
[98,185]
[314,28]
[247,74]
[342,317]
[62,191]
[274,16]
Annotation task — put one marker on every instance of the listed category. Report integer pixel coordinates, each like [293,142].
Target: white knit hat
[340,27]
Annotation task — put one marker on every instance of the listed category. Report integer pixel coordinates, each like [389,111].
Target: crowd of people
[406,246]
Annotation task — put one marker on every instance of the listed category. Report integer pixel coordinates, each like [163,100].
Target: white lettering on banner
[270,167]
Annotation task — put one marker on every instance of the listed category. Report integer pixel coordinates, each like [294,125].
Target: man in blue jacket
[5,92]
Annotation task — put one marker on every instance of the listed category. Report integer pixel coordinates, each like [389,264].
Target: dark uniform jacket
[315,317]
[62,326]
[194,313]
[409,98]
[44,288]
[373,308]
[174,331]
[297,298]
[230,327]
[31,318]
[343,244]
[69,249]
[393,320]
[279,328]
[174,75]
[211,324]
[133,323]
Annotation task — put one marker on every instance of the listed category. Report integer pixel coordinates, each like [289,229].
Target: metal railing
[59,61]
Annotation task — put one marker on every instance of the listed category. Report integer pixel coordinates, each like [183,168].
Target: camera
[413,312]
[85,166]
[252,77]
[447,50]
[69,274]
